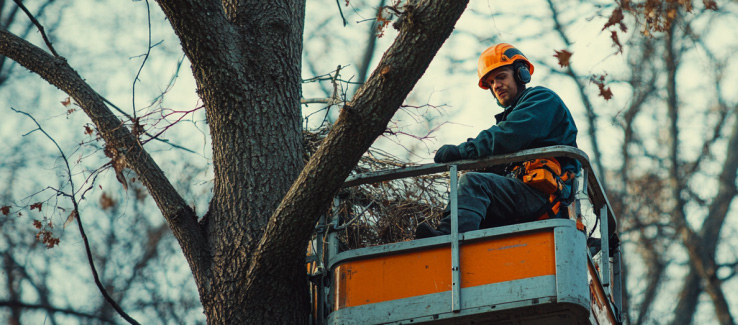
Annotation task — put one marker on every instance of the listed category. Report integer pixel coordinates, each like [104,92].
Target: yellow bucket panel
[403,275]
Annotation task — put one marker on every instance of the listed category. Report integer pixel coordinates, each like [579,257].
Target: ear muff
[522,74]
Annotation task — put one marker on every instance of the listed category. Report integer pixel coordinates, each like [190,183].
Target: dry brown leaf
[563,57]
[70,218]
[37,205]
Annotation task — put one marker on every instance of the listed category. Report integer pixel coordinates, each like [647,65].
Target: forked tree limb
[424,29]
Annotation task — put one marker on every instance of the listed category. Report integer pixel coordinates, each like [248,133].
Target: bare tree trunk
[360,122]
[588,107]
[702,260]
[706,246]
[688,298]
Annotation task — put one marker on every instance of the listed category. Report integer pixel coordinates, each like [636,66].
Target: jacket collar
[503,116]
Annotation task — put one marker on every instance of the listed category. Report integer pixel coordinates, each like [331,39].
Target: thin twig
[334,96]
[146,133]
[156,136]
[338,2]
[146,57]
[99,284]
[342,227]
[38,25]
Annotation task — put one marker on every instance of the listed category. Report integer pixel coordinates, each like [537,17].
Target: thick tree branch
[424,29]
[119,140]
[688,298]
[205,32]
[202,13]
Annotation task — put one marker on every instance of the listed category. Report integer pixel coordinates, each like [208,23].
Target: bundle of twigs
[384,212]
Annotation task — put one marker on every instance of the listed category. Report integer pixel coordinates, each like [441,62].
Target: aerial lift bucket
[532,273]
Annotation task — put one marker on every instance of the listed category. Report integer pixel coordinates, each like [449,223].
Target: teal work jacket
[537,118]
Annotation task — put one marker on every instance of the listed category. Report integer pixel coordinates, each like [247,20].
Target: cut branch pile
[385,212]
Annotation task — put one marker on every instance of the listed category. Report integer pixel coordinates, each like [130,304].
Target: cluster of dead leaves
[383,20]
[387,13]
[106,201]
[657,15]
[68,104]
[45,228]
[44,234]
[616,18]
[653,15]
[605,92]
[564,56]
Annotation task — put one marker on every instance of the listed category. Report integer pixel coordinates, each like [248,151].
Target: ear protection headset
[521,72]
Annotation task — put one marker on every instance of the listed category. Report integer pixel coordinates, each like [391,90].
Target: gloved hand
[447,153]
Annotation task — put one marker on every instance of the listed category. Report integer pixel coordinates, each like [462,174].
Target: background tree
[685,179]
[675,136]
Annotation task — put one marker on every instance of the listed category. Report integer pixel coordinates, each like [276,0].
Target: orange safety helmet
[501,55]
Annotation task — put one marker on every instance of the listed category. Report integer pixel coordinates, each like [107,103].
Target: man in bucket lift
[532,118]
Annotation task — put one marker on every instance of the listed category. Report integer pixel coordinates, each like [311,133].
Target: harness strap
[551,209]
[555,201]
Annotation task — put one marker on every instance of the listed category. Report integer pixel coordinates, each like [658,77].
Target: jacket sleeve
[528,124]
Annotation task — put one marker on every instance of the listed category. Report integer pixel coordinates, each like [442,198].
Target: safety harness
[544,174]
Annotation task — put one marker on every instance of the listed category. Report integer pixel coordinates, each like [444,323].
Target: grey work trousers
[489,200]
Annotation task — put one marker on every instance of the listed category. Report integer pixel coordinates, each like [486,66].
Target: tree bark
[246,59]
[422,32]
[248,253]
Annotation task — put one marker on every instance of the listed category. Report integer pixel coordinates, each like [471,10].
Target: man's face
[503,85]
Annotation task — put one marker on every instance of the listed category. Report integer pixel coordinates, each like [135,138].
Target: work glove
[447,153]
